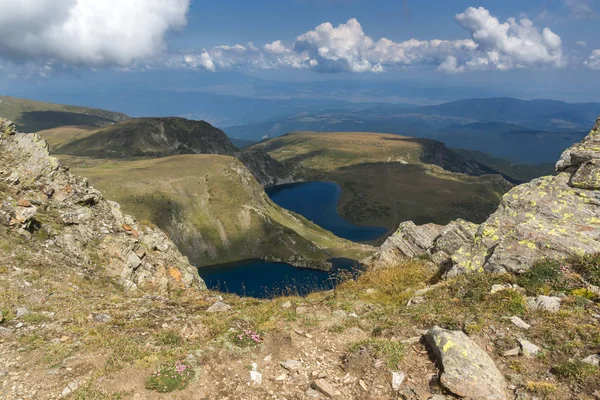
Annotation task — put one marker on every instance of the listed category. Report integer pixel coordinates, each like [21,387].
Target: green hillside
[33,116]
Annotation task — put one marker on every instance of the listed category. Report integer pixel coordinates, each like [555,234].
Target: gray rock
[409,241]
[594,359]
[339,313]
[291,365]
[71,387]
[467,370]
[455,235]
[528,349]
[287,304]
[543,303]
[77,215]
[6,331]
[24,214]
[312,394]
[397,380]
[324,387]
[219,306]
[22,311]
[103,318]
[133,261]
[500,286]
[519,322]
[551,217]
[255,376]
[512,352]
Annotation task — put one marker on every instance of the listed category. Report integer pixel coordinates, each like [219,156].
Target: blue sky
[542,44]
[216,23]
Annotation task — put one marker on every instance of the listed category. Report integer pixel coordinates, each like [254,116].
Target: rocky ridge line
[37,194]
[552,217]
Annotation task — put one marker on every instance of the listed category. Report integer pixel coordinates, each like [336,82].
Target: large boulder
[551,217]
[408,241]
[466,370]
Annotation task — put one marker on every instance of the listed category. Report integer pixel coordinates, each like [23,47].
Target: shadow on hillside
[34,121]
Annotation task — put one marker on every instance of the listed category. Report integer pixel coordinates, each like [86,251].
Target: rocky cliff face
[41,200]
[551,217]
[268,171]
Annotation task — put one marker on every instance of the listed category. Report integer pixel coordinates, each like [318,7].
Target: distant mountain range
[525,131]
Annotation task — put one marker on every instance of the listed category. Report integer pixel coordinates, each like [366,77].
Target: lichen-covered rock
[83,225]
[552,217]
[580,153]
[412,241]
[454,236]
[587,176]
[408,241]
[466,370]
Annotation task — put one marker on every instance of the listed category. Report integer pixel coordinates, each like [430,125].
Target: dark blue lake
[317,202]
[262,279]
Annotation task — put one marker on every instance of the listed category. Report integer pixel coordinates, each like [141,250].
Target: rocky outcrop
[266,170]
[551,217]
[466,370]
[409,241]
[37,194]
[437,241]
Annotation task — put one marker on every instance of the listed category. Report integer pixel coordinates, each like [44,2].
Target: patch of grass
[337,329]
[170,377]
[386,350]
[35,318]
[169,338]
[584,293]
[3,269]
[125,351]
[90,392]
[574,370]
[588,266]
[542,388]
[55,354]
[545,277]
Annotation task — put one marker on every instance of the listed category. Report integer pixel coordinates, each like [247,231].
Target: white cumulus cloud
[88,32]
[491,45]
[593,62]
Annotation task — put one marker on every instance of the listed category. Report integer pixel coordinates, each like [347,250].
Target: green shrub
[573,369]
[546,276]
[169,378]
[588,266]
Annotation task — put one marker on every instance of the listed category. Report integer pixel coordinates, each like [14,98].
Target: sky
[542,44]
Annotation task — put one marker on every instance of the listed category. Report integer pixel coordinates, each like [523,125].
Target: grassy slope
[32,116]
[212,208]
[384,181]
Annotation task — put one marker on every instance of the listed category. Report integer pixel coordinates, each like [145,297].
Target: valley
[387,179]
